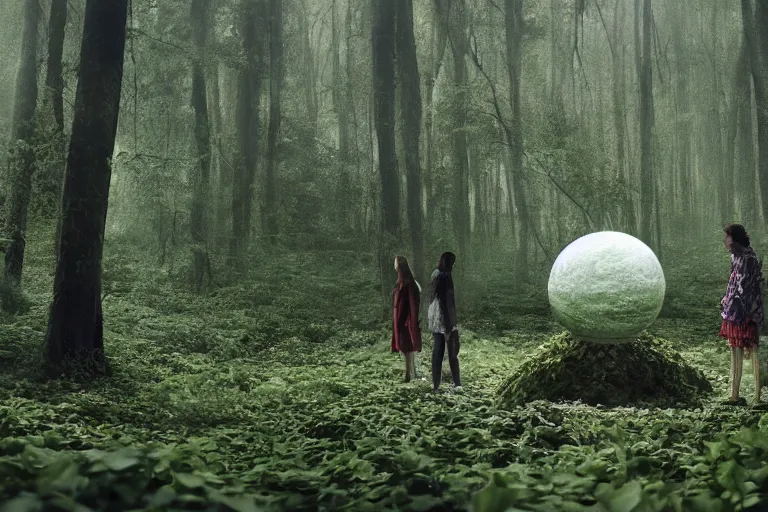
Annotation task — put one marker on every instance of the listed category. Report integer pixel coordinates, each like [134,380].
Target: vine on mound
[643,371]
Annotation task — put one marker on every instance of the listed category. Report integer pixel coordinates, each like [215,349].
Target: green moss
[647,370]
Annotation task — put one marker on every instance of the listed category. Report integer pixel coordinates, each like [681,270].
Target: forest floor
[279,392]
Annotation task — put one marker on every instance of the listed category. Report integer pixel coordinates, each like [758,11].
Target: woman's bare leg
[408,363]
[737,363]
[756,372]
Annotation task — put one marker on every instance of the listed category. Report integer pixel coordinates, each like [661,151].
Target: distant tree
[410,116]
[384,80]
[273,131]
[201,173]
[75,328]
[22,160]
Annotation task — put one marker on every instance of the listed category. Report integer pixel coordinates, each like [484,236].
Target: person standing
[443,323]
[742,308]
[406,333]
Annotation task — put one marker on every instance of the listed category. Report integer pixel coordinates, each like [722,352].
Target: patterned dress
[742,305]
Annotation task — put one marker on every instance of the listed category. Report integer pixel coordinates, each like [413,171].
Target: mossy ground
[278,391]
[641,372]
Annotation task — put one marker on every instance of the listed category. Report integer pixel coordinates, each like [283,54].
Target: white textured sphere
[606,287]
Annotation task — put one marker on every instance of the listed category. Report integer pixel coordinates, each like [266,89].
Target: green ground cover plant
[279,392]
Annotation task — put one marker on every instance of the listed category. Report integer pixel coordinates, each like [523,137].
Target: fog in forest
[202,202]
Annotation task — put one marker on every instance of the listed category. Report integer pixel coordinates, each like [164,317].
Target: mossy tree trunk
[200,175]
[410,115]
[247,122]
[275,86]
[22,160]
[54,94]
[75,328]
[383,63]
[513,23]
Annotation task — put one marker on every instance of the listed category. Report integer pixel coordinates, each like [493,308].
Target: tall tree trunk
[201,173]
[513,17]
[22,158]
[247,121]
[340,107]
[308,70]
[437,50]
[275,86]
[745,171]
[460,47]
[683,113]
[646,128]
[756,35]
[410,115]
[725,187]
[383,62]
[54,97]
[54,81]
[75,328]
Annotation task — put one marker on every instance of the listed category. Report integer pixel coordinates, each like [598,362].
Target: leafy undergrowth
[278,392]
[643,372]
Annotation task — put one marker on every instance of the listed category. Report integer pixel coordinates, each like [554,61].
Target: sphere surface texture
[606,287]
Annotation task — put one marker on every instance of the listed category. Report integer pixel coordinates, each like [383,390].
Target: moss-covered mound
[645,371]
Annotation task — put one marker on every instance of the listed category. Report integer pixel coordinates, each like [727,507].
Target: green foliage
[260,395]
[641,371]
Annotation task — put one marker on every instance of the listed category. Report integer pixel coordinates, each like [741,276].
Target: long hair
[738,234]
[447,259]
[442,288]
[404,274]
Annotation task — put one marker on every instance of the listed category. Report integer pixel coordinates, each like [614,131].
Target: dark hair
[404,273]
[447,259]
[738,234]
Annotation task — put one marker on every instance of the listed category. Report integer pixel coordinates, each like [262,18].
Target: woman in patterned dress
[742,308]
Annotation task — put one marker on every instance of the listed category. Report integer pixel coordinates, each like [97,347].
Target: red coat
[406,333]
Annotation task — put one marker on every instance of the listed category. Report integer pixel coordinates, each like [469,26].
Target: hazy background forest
[272,157]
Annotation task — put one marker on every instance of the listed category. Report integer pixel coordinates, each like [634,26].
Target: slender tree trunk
[340,107]
[22,158]
[683,113]
[54,97]
[460,48]
[275,86]
[200,176]
[745,171]
[75,328]
[410,115]
[308,69]
[438,52]
[646,128]
[514,37]
[383,62]
[756,36]
[247,121]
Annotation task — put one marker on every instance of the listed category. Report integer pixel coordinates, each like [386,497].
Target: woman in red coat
[406,334]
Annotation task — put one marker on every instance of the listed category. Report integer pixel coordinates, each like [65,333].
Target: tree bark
[340,107]
[247,122]
[201,173]
[275,86]
[457,27]
[75,328]
[410,115]
[646,128]
[308,70]
[383,62]
[54,97]
[513,15]
[22,158]
[756,36]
